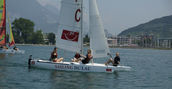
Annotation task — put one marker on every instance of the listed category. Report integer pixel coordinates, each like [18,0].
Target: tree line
[24,33]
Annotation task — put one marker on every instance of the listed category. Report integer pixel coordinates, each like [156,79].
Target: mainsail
[11,38]
[69,27]
[2,23]
[98,41]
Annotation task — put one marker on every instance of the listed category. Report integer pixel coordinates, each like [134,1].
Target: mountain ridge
[160,27]
[44,17]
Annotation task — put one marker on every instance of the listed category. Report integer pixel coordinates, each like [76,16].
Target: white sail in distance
[69,28]
[98,41]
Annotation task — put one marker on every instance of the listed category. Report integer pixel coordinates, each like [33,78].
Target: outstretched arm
[82,55]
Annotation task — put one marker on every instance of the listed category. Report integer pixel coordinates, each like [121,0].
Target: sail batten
[98,41]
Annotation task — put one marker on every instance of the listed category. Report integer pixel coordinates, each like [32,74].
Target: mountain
[45,17]
[160,27]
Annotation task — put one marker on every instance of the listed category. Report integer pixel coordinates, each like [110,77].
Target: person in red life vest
[84,59]
[54,55]
[114,61]
[77,57]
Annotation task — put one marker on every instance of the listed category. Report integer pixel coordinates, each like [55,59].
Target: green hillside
[161,27]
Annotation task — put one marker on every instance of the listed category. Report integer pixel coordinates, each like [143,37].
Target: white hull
[12,51]
[73,66]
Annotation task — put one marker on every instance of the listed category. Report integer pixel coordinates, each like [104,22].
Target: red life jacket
[53,55]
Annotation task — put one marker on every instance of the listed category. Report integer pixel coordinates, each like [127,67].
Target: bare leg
[73,60]
[59,60]
[79,59]
[109,61]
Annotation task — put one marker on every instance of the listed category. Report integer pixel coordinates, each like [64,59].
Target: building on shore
[144,41]
[122,42]
[164,43]
[45,38]
[112,42]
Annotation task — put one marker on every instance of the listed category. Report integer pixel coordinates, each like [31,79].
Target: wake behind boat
[70,38]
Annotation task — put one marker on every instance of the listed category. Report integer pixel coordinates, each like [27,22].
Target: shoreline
[143,48]
[88,46]
[33,45]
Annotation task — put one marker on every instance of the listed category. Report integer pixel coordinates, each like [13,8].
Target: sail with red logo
[69,27]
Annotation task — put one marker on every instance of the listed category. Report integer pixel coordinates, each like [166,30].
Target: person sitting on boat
[5,47]
[54,56]
[15,48]
[77,57]
[88,57]
[116,60]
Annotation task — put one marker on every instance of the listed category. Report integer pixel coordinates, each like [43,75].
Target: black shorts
[84,62]
[115,64]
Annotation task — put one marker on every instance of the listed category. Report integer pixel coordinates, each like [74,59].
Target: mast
[82,12]
[5,22]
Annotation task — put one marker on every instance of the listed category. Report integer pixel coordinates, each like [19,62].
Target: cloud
[54,3]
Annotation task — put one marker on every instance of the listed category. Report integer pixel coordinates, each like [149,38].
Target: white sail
[98,41]
[69,28]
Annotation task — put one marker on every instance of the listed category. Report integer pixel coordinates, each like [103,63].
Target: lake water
[151,69]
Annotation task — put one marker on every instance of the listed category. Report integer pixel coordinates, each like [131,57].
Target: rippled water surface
[151,69]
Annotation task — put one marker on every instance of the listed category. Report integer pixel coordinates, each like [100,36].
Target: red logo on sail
[70,35]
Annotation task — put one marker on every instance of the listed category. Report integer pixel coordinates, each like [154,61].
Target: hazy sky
[118,15]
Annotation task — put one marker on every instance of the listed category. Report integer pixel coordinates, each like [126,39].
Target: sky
[119,15]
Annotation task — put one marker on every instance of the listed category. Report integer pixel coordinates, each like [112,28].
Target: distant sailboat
[3,42]
[70,38]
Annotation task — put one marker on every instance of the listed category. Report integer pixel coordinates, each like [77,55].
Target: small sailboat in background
[3,36]
[70,38]
[11,43]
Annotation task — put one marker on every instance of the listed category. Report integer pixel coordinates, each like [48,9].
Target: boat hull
[73,66]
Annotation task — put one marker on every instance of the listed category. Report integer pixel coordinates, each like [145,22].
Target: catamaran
[70,38]
[3,31]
